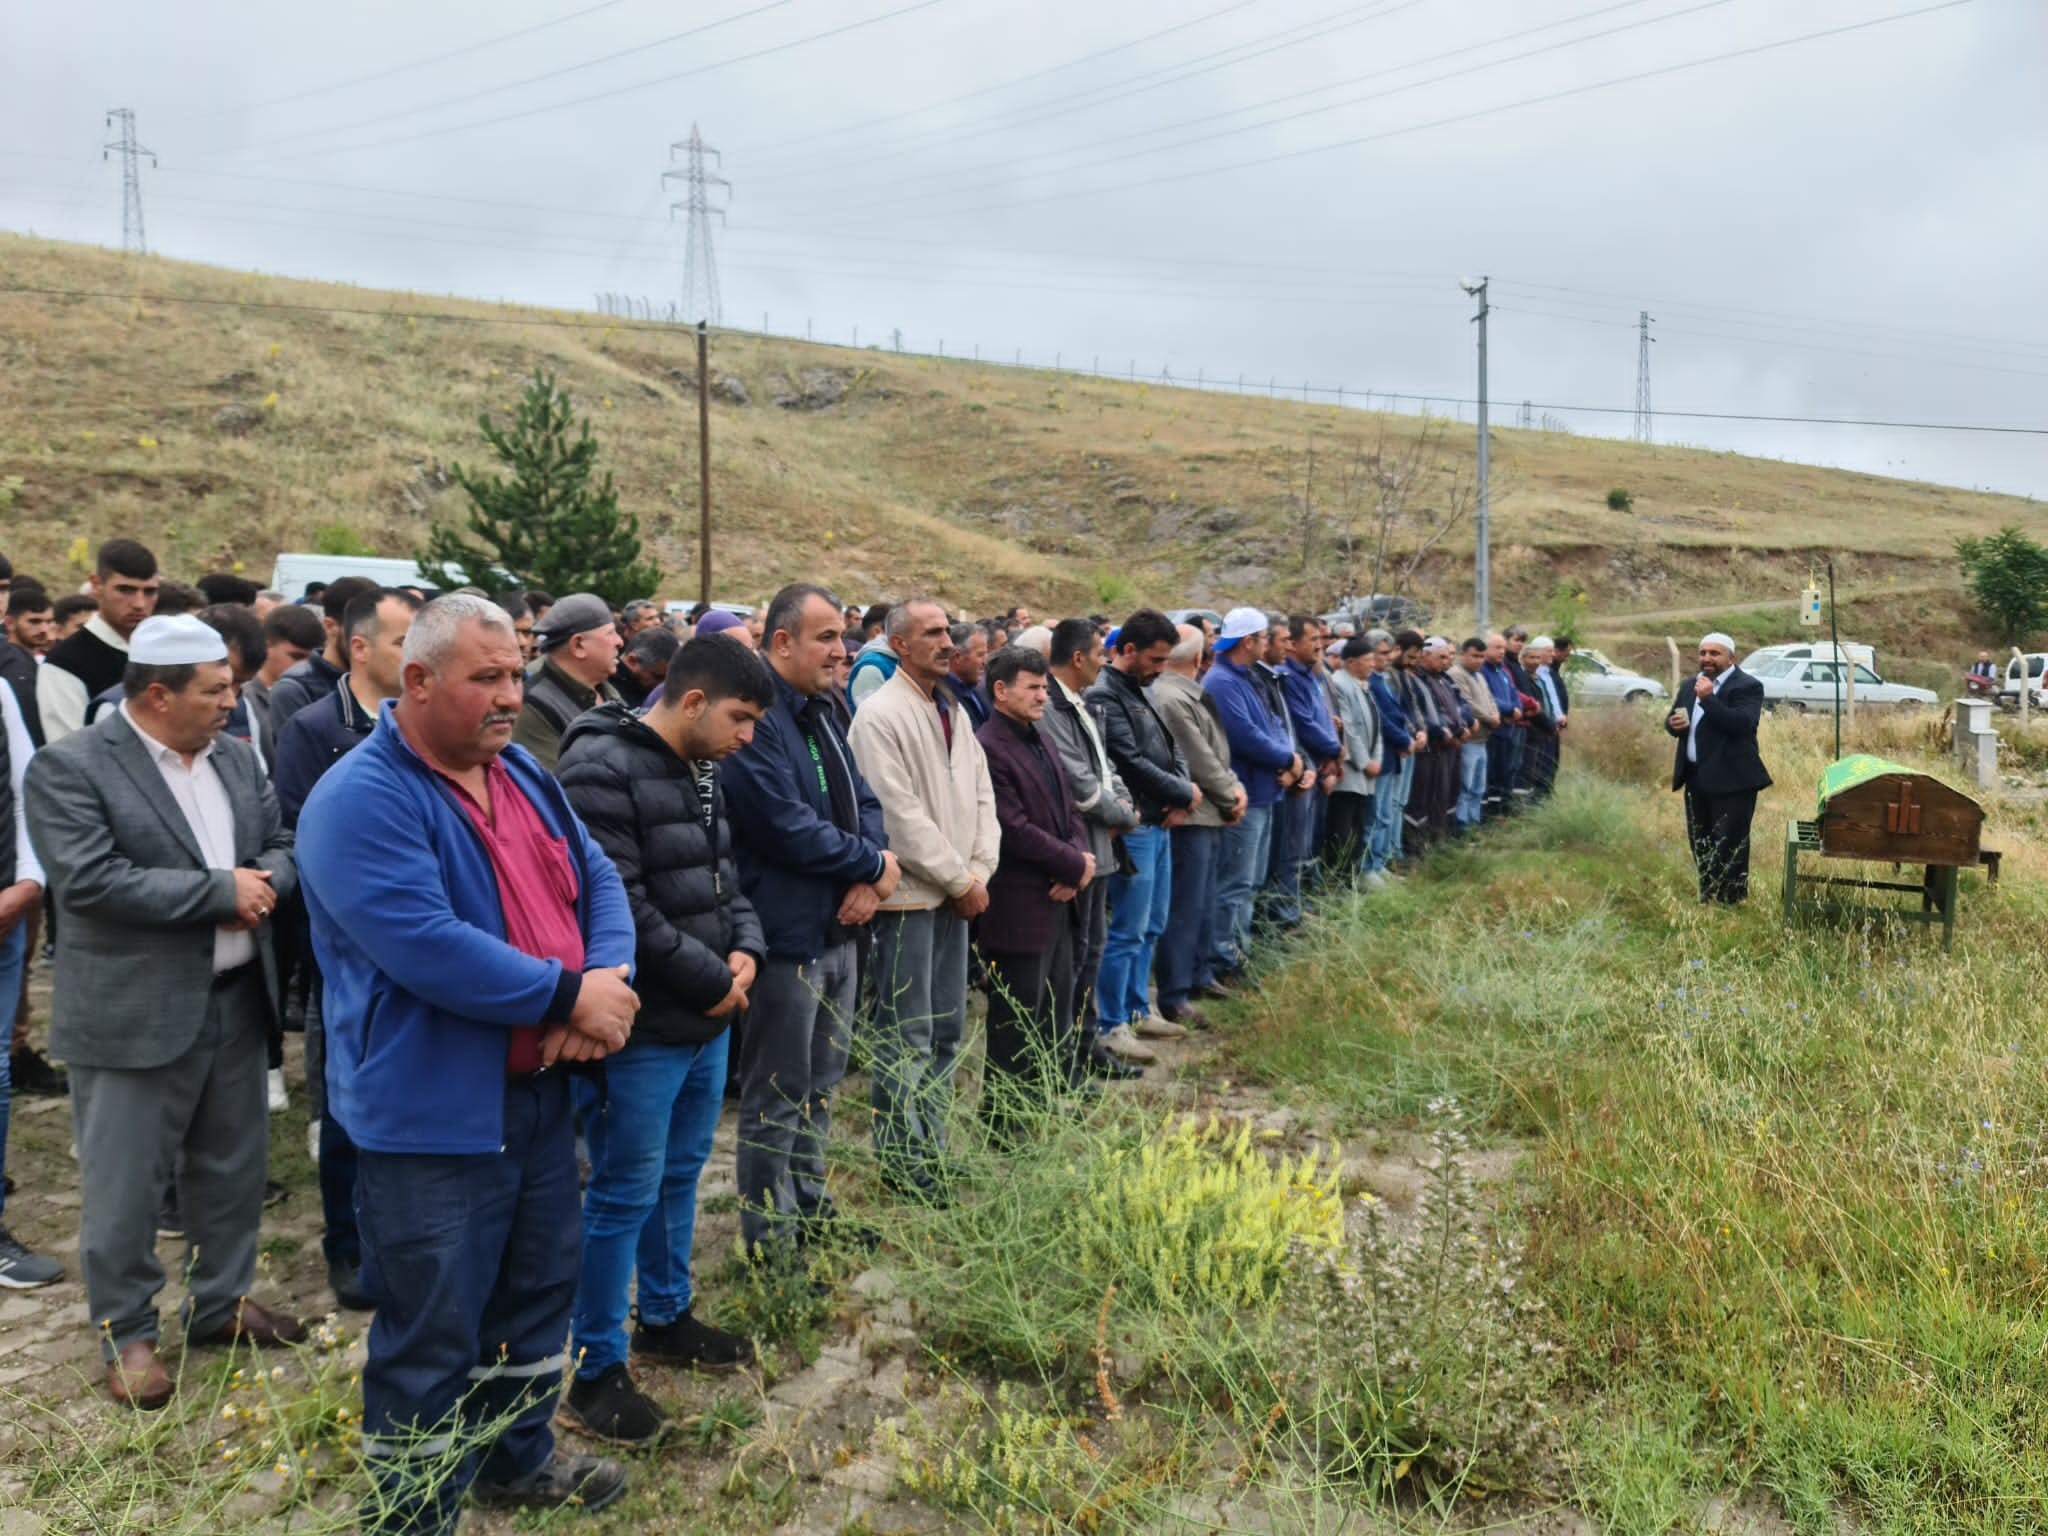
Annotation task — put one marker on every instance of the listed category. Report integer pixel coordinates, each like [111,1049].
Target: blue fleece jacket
[1502,686]
[1260,745]
[1395,731]
[795,860]
[1310,708]
[410,933]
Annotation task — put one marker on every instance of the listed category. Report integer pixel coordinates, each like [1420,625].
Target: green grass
[1792,1226]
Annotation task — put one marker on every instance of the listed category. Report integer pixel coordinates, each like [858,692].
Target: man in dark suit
[1718,767]
[1027,934]
[166,857]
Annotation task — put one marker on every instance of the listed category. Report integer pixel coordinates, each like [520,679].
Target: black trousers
[1032,1038]
[1344,839]
[1717,826]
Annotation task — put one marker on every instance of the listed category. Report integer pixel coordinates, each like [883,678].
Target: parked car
[1796,684]
[1590,675]
[1195,616]
[1381,610]
[2009,687]
[1813,650]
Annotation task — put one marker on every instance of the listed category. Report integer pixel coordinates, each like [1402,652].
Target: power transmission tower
[1641,430]
[132,240]
[700,266]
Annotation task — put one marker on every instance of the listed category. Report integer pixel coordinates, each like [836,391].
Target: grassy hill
[225,416]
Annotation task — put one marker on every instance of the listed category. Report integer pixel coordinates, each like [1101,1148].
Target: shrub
[1198,1217]
[340,539]
[1619,500]
[1423,1353]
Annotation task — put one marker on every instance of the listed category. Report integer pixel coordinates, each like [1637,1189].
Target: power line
[622,90]
[1476,114]
[402,69]
[557,319]
[980,173]
[1001,85]
[513,85]
[1010,118]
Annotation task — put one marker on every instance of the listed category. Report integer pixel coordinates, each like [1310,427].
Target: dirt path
[1610,621]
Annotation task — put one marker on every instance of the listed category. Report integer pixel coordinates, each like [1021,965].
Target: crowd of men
[527,868]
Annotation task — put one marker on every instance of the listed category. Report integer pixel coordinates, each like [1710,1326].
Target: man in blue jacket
[814,861]
[1400,739]
[475,942]
[1262,756]
[1308,706]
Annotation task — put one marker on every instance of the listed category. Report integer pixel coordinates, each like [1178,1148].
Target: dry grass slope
[222,430]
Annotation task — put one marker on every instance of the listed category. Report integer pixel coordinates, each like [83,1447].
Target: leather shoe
[256,1324]
[1100,1063]
[137,1379]
[1215,992]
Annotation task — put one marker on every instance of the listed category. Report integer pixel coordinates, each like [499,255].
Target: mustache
[501,717]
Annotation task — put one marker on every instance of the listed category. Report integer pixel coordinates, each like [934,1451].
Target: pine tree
[549,525]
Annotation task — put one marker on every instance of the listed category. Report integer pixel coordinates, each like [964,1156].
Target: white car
[2009,688]
[1797,684]
[1589,675]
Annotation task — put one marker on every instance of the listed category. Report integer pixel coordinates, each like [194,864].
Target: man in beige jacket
[917,751]
[1187,950]
[1472,687]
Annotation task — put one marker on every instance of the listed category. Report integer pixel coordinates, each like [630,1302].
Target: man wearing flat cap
[1718,766]
[166,857]
[579,648]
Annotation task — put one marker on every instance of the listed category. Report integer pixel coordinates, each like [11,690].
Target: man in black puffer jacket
[645,786]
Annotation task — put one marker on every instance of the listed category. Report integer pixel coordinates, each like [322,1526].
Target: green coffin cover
[1859,768]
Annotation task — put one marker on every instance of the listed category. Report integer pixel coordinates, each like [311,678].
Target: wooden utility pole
[703,462]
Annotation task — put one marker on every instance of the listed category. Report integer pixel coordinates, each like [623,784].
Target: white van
[294,573]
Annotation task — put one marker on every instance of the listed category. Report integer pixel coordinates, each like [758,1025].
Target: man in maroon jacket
[1027,933]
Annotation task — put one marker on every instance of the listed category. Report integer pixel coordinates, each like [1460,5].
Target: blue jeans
[1241,859]
[1471,783]
[1293,825]
[1389,801]
[1138,907]
[1189,943]
[13,957]
[471,1259]
[649,1135]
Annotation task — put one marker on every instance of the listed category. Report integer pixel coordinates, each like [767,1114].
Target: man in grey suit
[166,856]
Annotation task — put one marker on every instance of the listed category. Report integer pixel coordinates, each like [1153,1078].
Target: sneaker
[588,1482]
[1157,1026]
[280,1100]
[691,1342]
[609,1407]
[33,1075]
[1126,1046]
[1373,880]
[21,1270]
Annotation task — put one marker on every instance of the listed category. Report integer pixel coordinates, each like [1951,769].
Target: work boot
[588,1482]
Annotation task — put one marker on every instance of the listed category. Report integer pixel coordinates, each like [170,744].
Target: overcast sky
[1852,226]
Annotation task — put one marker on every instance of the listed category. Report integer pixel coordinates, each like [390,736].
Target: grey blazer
[137,905]
[1103,804]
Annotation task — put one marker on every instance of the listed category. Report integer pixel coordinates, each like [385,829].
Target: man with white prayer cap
[1714,719]
[166,857]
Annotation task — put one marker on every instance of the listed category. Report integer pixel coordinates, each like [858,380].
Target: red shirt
[537,888]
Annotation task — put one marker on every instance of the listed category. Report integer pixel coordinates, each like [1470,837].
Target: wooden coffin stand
[1877,812]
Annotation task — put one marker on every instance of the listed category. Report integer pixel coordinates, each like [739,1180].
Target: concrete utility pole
[1482,569]
[1640,431]
[132,239]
